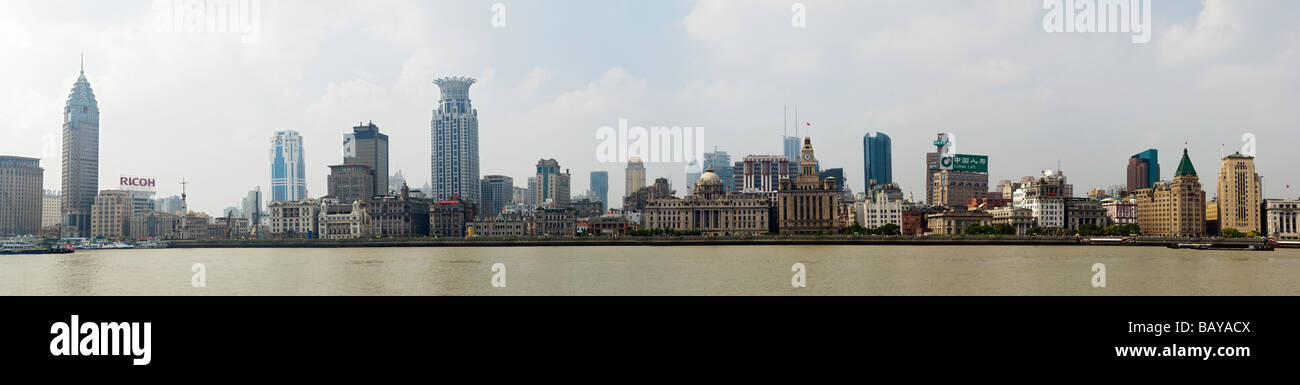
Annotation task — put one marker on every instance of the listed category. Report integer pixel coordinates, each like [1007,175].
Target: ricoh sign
[138,183]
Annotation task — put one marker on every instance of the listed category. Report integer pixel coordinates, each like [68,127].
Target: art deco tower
[80,157]
[454,163]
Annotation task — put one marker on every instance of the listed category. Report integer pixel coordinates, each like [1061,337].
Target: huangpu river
[687,270]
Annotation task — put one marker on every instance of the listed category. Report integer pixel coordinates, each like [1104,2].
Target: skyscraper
[251,207]
[498,192]
[877,159]
[21,203]
[635,175]
[552,185]
[600,186]
[454,162]
[721,164]
[1239,194]
[365,145]
[1143,170]
[933,165]
[288,167]
[790,148]
[80,158]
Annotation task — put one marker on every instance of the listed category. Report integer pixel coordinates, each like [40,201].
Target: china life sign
[966,163]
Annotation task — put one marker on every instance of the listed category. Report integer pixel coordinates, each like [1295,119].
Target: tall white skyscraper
[454,132]
[288,167]
[80,157]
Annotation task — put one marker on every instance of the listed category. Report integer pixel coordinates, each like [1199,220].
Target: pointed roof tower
[1185,166]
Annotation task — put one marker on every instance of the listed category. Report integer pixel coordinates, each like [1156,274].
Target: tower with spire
[1174,209]
[80,157]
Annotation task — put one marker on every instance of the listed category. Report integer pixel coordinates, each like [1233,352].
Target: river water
[688,270]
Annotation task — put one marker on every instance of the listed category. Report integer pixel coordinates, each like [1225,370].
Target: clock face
[807,156]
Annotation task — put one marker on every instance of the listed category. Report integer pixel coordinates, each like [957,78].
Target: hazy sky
[203,106]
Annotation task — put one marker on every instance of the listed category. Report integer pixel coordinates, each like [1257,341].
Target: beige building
[110,216]
[343,221]
[808,204]
[51,209]
[21,189]
[294,219]
[1239,194]
[1174,209]
[956,188]
[955,220]
[502,225]
[709,210]
[195,226]
[635,175]
[1282,219]
[1018,217]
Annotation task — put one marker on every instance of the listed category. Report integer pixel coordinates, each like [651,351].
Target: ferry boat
[1109,241]
[1286,244]
[1192,246]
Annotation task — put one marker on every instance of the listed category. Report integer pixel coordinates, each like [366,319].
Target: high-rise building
[365,145]
[531,197]
[288,167]
[837,173]
[1239,194]
[251,207]
[808,204]
[498,192]
[552,185]
[721,164]
[454,163]
[790,149]
[933,166]
[80,158]
[395,182]
[21,182]
[600,186]
[1175,209]
[351,183]
[635,175]
[877,159]
[1143,170]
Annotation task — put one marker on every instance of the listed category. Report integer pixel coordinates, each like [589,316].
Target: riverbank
[694,241]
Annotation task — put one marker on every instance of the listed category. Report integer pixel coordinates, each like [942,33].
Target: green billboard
[966,163]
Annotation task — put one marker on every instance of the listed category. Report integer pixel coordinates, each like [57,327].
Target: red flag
[809,124]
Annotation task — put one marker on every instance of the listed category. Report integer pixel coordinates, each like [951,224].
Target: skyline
[1015,101]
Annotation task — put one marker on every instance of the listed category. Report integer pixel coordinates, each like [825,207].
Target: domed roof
[709,178]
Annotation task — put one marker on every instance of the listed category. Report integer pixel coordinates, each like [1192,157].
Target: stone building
[399,216]
[1174,209]
[955,220]
[449,218]
[110,216]
[1084,211]
[1239,194]
[1281,219]
[502,225]
[294,219]
[343,221]
[808,204]
[155,225]
[611,224]
[708,210]
[555,222]
[1018,218]
[588,208]
[879,210]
